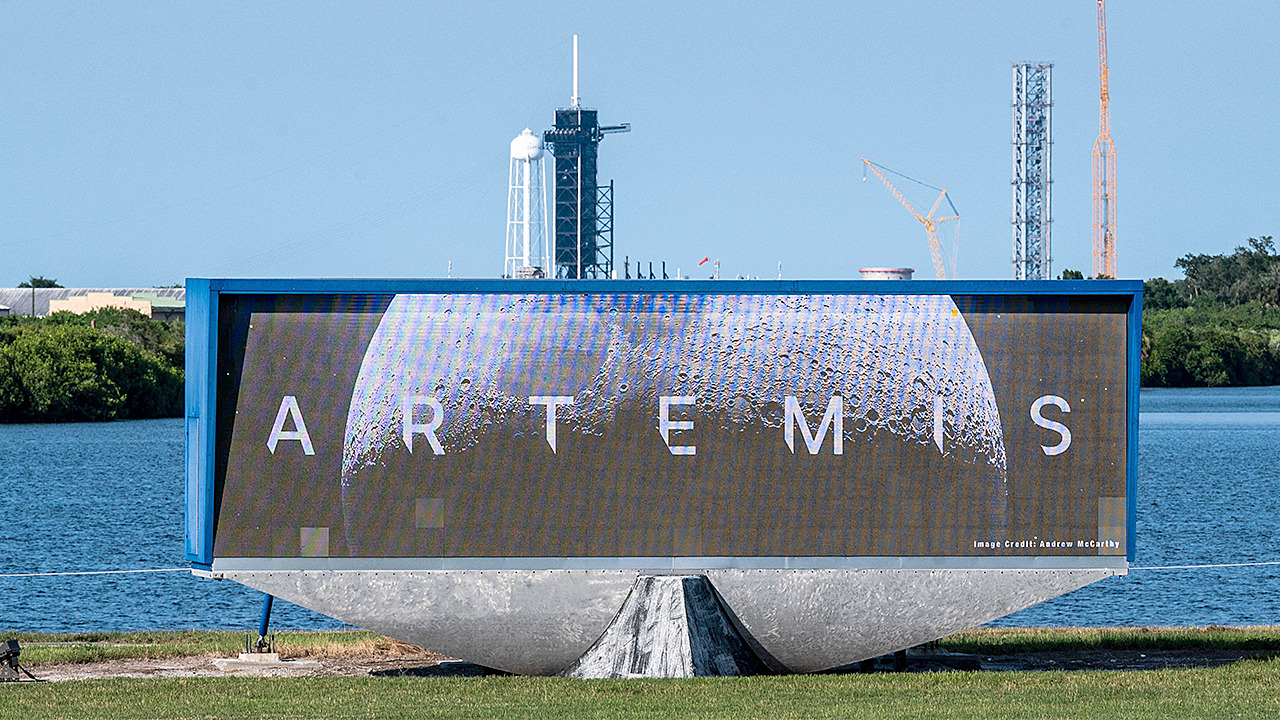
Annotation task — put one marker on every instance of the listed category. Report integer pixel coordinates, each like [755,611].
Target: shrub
[68,372]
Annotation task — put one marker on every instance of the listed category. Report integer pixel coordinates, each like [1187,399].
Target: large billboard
[639,421]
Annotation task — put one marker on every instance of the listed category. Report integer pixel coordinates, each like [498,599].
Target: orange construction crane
[929,221]
[1104,167]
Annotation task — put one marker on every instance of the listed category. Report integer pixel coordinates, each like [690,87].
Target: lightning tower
[1104,166]
[1032,180]
[583,209]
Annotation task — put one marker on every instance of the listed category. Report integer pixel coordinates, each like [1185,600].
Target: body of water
[108,496]
[1208,493]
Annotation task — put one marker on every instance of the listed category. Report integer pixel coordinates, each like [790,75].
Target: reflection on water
[109,496]
[1206,419]
[1208,400]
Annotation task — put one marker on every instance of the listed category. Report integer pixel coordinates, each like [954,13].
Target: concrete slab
[263,666]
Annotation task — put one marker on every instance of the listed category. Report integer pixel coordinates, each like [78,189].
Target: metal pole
[548,223]
[527,166]
[266,615]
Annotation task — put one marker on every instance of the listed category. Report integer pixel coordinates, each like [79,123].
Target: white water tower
[528,251]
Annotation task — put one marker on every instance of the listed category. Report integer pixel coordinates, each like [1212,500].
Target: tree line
[108,364]
[1218,326]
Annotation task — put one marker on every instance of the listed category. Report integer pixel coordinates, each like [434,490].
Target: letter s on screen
[1057,427]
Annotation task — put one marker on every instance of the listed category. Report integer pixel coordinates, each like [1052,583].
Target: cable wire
[95,572]
[1197,567]
[162,570]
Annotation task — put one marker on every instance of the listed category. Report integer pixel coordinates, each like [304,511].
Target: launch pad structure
[583,209]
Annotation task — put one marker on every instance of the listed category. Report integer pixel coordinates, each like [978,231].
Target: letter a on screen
[289,408]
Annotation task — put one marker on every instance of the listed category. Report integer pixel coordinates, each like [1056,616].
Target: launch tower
[583,209]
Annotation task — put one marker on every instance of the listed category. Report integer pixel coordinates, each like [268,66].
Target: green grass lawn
[1244,689]
[1247,688]
[88,647]
[43,648]
[995,641]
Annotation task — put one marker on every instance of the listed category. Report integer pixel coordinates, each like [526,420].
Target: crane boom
[929,221]
[1104,165]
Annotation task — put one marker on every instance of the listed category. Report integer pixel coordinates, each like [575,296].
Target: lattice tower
[1032,180]
[1104,166]
[583,210]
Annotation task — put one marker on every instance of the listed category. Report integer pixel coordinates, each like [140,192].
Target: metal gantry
[581,249]
[582,245]
[1032,180]
[604,223]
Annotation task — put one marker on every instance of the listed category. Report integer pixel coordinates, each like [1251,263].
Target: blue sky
[142,143]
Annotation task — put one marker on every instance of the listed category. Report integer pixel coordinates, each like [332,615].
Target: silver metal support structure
[1032,180]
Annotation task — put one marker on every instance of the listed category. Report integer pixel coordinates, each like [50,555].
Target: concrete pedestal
[670,626]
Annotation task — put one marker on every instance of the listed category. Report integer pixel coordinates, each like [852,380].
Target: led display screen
[654,425]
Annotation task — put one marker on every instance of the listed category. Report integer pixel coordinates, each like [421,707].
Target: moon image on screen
[922,463]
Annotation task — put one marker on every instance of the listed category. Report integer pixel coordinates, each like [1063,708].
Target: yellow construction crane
[1104,166]
[929,221]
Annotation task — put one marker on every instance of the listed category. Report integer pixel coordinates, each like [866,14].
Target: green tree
[1215,358]
[69,372]
[13,396]
[39,282]
[154,336]
[1068,274]
[1251,273]
[1220,325]
[1165,364]
[1160,294]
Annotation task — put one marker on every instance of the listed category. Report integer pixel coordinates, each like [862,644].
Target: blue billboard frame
[204,294]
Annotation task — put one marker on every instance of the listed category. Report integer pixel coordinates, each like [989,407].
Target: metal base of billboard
[671,626]
[542,622]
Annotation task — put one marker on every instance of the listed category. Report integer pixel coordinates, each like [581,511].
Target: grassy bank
[1001,641]
[91,647]
[45,648]
[1244,689]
